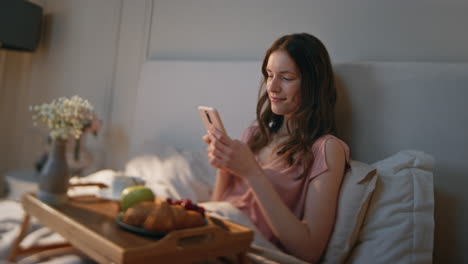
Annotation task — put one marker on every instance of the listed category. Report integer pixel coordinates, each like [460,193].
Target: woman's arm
[222,177]
[222,181]
[305,239]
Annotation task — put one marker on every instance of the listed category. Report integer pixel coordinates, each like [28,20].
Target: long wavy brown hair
[315,115]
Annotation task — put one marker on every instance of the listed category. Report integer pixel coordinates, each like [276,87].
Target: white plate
[107,194]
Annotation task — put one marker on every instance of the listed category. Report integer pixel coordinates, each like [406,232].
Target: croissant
[161,216]
[179,215]
[193,219]
[137,214]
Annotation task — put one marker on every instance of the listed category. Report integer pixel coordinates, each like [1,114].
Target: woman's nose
[274,85]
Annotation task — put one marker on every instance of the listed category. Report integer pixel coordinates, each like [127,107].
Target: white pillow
[170,172]
[399,226]
[355,194]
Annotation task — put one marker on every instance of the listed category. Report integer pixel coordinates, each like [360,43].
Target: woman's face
[283,83]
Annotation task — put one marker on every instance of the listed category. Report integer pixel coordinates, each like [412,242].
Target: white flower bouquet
[66,117]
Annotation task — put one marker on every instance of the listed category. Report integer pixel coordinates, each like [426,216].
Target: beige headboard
[382,108]
[387,107]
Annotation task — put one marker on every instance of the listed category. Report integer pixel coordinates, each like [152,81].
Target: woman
[285,172]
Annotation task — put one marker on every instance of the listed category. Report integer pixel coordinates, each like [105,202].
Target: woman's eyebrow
[283,71]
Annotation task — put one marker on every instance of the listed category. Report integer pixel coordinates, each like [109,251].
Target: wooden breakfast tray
[89,224]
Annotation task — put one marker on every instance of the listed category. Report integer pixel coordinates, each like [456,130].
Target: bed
[405,119]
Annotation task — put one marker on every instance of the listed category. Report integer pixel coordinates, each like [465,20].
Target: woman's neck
[283,130]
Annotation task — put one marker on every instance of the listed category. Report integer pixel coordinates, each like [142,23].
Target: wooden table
[88,224]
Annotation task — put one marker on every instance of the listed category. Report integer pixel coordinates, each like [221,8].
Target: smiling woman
[285,172]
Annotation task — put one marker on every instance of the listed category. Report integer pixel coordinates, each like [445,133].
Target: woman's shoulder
[319,146]
[319,149]
[323,139]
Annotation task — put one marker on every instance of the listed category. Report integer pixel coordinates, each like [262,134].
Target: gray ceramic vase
[54,177]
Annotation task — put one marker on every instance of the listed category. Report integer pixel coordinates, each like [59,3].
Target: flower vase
[54,177]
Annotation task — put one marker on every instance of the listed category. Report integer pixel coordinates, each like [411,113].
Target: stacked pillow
[388,216]
[399,226]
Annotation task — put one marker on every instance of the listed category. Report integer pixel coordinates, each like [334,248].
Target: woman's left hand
[231,155]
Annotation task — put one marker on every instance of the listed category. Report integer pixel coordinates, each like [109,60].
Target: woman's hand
[230,155]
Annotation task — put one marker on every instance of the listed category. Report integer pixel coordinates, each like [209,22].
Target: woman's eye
[287,79]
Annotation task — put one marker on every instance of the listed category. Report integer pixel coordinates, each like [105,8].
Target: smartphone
[210,117]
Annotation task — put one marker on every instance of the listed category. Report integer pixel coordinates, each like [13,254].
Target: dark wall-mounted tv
[20,25]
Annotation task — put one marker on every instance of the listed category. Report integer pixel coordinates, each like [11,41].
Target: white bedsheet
[11,217]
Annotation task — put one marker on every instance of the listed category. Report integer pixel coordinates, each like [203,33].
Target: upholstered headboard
[383,108]
[387,107]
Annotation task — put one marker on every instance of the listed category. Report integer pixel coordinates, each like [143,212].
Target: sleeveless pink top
[284,179]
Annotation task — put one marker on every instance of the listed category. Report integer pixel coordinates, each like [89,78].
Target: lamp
[20,25]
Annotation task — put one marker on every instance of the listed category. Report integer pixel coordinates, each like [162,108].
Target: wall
[398,30]
[131,53]
[76,56]
[93,49]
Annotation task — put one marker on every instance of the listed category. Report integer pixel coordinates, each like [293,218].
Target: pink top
[283,177]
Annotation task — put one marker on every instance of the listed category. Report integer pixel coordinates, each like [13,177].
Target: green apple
[135,194]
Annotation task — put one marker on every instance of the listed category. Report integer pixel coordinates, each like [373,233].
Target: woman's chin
[277,111]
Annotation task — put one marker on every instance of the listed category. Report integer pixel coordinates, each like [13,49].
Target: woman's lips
[276,99]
